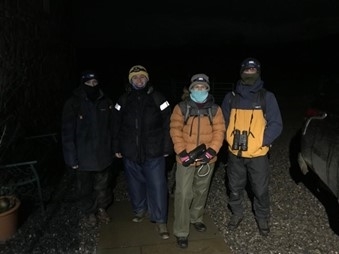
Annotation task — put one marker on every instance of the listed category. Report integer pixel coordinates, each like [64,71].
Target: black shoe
[234,222]
[182,242]
[199,226]
[264,229]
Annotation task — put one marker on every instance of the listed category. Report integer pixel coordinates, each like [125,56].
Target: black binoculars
[195,154]
[198,151]
[240,140]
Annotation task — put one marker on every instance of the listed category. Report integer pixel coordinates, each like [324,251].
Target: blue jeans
[147,187]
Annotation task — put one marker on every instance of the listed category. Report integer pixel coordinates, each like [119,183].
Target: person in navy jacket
[87,146]
[253,122]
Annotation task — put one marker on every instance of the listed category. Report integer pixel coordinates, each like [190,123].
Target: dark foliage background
[37,63]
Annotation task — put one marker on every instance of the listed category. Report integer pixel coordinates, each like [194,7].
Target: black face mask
[92,92]
[249,79]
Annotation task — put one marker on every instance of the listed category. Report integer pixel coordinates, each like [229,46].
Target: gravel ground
[301,221]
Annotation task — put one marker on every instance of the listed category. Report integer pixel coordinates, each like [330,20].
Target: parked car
[319,150]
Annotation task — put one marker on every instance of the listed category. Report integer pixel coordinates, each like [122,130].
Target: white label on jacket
[164,105]
[117,107]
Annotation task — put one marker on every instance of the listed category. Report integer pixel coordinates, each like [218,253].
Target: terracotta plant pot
[9,219]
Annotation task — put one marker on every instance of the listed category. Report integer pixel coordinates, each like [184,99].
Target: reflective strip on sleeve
[117,107]
[164,105]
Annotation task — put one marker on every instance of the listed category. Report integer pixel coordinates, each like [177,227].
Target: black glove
[185,159]
[207,156]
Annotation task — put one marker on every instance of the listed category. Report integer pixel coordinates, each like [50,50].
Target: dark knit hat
[250,63]
[200,79]
[88,75]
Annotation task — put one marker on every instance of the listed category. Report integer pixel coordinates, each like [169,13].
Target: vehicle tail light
[310,112]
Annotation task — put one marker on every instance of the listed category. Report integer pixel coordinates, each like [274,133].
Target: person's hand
[118,155]
[207,156]
[185,159]
[75,167]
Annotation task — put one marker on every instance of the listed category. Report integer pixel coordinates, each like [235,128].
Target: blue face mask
[199,96]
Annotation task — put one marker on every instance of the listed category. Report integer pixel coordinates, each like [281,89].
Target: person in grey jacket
[87,146]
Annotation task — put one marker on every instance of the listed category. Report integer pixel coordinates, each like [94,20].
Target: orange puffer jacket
[198,130]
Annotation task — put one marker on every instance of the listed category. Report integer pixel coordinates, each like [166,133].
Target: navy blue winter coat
[87,131]
[262,127]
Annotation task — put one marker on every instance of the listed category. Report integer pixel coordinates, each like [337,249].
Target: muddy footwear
[199,226]
[103,216]
[263,227]
[89,220]
[139,217]
[234,222]
[182,242]
[162,229]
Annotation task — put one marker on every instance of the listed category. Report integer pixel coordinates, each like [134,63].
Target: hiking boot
[199,226]
[139,217]
[234,222]
[264,229]
[182,242]
[89,220]
[103,216]
[162,229]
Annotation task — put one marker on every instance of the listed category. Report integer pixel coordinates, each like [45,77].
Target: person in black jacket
[142,140]
[87,146]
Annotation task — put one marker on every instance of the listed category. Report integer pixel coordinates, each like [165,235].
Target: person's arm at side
[68,135]
[117,119]
[273,117]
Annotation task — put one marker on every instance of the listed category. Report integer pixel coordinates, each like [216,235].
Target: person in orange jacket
[197,129]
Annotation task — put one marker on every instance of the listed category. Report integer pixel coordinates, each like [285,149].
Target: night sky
[292,39]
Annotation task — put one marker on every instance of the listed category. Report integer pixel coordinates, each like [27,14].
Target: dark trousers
[256,172]
[94,189]
[147,187]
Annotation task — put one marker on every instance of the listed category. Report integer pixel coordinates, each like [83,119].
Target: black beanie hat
[88,75]
[250,63]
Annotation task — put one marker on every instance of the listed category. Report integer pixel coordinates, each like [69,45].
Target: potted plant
[8,216]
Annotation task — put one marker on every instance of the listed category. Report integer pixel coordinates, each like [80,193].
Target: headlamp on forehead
[250,63]
[88,75]
[137,68]
[201,79]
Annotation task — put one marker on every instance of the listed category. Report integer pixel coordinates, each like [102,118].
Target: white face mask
[199,96]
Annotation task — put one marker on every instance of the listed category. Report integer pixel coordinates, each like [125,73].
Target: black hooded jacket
[87,131]
[141,125]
